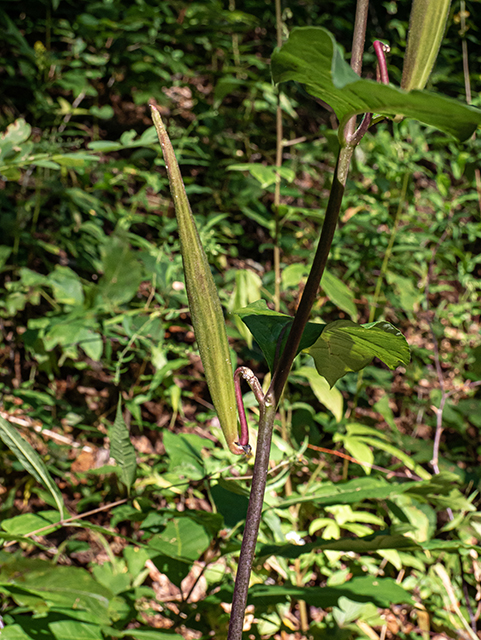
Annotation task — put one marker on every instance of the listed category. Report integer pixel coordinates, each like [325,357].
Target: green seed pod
[426,30]
[205,309]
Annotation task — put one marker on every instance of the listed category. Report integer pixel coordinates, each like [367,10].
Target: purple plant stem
[251,379]
[381,49]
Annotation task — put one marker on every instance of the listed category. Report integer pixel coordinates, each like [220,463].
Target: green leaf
[360,451]
[15,135]
[331,398]
[354,491]
[345,346]
[267,326]
[266,175]
[30,461]
[182,539]
[381,591]
[375,542]
[67,587]
[28,522]
[312,57]
[122,449]
[66,285]
[68,629]
[104,113]
[122,273]
[339,294]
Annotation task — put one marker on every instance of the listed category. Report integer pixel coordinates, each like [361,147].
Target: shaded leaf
[69,587]
[381,591]
[269,327]
[30,460]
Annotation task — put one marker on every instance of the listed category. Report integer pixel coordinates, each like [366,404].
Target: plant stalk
[254,511]
[279,378]
[310,293]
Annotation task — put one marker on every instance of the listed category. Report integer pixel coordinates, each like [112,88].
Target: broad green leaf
[271,327]
[345,346]
[74,160]
[397,453]
[333,287]
[293,275]
[28,522]
[339,293]
[30,460]
[66,285]
[122,449]
[331,398]
[67,587]
[360,451]
[185,454]
[312,57]
[247,289]
[148,138]
[68,629]
[381,591]
[182,539]
[122,273]
[266,175]
[15,134]
[104,113]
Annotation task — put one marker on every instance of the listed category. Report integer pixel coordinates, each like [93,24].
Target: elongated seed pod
[426,30]
[204,303]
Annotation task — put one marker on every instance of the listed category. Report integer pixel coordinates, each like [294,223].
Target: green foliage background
[92,306]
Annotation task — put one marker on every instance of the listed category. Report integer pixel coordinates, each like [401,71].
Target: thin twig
[345,456]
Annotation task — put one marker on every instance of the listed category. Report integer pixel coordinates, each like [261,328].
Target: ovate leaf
[182,539]
[331,398]
[271,329]
[345,346]
[122,449]
[30,461]
[339,293]
[311,56]
[122,273]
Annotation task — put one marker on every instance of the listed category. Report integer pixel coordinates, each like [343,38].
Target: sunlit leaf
[312,57]
[345,346]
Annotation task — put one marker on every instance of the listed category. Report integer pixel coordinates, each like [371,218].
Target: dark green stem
[254,511]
